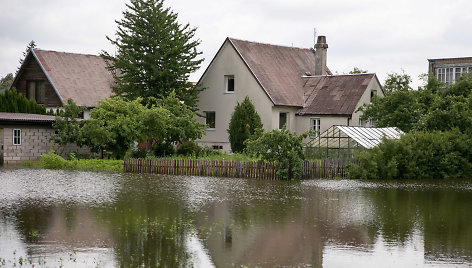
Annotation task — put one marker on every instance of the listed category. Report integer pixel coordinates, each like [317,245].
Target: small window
[17,137]
[283,120]
[217,147]
[373,93]
[361,123]
[210,119]
[371,123]
[229,83]
[316,126]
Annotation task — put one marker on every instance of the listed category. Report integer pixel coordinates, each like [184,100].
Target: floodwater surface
[85,219]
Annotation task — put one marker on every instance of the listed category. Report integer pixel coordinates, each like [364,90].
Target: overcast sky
[374,35]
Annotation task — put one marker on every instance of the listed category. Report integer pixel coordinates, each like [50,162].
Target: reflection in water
[84,219]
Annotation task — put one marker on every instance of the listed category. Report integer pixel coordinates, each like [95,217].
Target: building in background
[448,70]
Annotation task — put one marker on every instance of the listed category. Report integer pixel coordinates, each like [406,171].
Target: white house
[288,85]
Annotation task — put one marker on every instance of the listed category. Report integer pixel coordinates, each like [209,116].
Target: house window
[283,120]
[210,119]
[371,123]
[229,83]
[316,125]
[17,137]
[217,147]
[361,123]
[35,90]
[373,93]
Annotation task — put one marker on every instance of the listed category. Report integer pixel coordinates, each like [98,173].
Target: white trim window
[229,83]
[449,75]
[17,137]
[371,123]
[316,126]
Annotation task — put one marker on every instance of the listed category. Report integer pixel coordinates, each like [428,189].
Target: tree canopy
[5,82]
[243,124]
[435,106]
[155,54]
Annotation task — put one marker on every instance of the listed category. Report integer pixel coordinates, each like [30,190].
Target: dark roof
[278,69]
[334,95]
[26,118]
[83,78]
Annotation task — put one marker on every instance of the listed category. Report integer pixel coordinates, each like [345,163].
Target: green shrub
[53,161]
[245,121]
[417,155]
[189,148]
[136,154]
[163,149]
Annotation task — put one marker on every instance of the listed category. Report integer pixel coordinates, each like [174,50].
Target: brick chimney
[321,51]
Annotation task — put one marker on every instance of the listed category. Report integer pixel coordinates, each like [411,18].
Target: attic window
[373,93]
[36,91]
[229,83]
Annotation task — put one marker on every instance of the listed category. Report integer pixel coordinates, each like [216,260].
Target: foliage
[116,123]
[5,82]
[13,102]
[188,148]
[67,126]
[434,107]
[279,146]
[426,155]
[397,82]
[53,161]
[155,54]
[243,124]
[162,149]
[31,45]
[357,71]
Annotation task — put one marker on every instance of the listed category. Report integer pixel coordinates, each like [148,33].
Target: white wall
[215,98]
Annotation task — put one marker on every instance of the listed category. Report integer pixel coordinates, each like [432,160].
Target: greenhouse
[343,141]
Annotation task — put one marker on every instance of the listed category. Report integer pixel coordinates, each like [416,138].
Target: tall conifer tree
[155,54]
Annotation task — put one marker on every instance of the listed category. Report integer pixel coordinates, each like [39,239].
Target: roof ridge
[336,75]
[268,44]
[64,52]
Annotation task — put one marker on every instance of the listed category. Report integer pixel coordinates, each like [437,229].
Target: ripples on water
[83,219]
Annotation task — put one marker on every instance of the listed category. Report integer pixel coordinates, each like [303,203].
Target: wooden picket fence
[327,168]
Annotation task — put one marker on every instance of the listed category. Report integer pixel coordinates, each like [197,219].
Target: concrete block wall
[35,141]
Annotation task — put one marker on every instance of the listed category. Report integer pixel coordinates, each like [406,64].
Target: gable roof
[334,95]
[81,77]
[277,69]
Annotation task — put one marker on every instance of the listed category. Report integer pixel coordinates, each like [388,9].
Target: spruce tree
[155,54]
[244,123]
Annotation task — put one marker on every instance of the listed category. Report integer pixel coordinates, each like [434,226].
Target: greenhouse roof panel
[370,137]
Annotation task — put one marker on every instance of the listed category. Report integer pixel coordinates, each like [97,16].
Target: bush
[417,155]
[53,161]
[243,124]
[282,147]
[189,148]
[136,154]
[163,149]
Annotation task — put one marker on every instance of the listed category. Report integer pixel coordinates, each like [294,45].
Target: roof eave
[47,75]
[250,70]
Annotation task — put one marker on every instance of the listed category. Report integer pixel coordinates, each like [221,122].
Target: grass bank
[54,161]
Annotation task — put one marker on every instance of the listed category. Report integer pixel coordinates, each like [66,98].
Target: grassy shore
[54,161]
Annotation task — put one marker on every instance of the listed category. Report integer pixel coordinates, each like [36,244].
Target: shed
[342,141]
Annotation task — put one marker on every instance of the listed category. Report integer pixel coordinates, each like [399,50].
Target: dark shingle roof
[278,69]
[83,78]
[334,95]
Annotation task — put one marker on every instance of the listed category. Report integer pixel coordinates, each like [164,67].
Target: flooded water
[85,219]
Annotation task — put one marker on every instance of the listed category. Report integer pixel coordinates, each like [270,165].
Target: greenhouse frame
[343,141]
